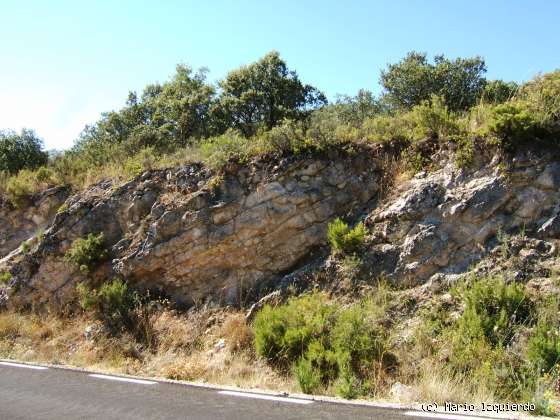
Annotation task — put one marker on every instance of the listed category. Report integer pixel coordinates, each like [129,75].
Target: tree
[166,116]
[21,151]
[498,91]
[264,93]
[414,79]
[355,109]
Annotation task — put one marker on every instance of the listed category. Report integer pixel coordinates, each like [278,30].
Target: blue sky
[65,62]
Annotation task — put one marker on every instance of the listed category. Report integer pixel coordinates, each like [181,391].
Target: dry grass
[185,347]
[436,384]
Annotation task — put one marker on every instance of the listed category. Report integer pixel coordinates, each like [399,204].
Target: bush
[343,239]
[218,151]
[513,124]
[542,98]
[433,119]
[113,303]
[495,308]
[388,127]
[283,334]
[5,277]
[324,343]
[87,253]
[543,347]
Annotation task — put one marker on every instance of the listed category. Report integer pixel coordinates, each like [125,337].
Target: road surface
[32,392]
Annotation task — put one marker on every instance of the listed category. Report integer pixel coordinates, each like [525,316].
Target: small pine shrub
[218,151]
[343,239]
[283,334]
[495,307]
[87,253]
[543,347]
[324,343]
[383,128]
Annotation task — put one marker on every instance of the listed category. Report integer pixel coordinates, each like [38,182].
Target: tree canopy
[460,82]
[263,94]
[23,150]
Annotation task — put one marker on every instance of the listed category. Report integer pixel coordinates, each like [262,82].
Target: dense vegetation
[263,108]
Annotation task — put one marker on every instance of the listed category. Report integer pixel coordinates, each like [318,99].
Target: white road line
[265,397]
[121,379]
[433,415]
[20,365]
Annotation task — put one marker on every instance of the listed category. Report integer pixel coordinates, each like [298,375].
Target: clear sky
[65,62]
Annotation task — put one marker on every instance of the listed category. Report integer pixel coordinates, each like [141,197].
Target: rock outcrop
[445,221]
[18,225]
[196,236]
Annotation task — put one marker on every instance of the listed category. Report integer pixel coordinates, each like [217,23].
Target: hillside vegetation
[373,304]
[263,109]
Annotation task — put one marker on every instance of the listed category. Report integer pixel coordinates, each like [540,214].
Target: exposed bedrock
[195,236]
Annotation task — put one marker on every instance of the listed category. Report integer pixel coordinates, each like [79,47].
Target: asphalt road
[41,393]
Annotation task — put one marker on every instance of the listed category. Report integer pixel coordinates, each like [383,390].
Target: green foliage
[433,119]
[513,124]
[87,253]
[498,91]
[264,93]
[346,240]
[25,247]
[20,187]
[324,343]
[21,151]
[464,152]
[354,110]
[414,80]
[5,277]
[218,151]
[541,96]
[543,347]
[383,128]
[282,334]
[113,303]
[494,308]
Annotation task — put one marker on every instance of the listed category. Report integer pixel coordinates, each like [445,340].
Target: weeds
[87,253]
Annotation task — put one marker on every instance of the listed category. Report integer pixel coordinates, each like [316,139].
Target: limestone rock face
[18,225]
[195,236]
[445,221]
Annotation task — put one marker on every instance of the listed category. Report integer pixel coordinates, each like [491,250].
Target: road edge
[319,398]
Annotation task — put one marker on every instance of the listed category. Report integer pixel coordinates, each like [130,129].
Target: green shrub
[25,247]
[5,277]
[324,343]
[433,119]
[513,124]
[494,307]
[464,152]
[541,96]
[112,303]
[343,239]
[383,128]
[218,151]
[494,313]
[543,347]
[282,334]
[309,378]
[87,253]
